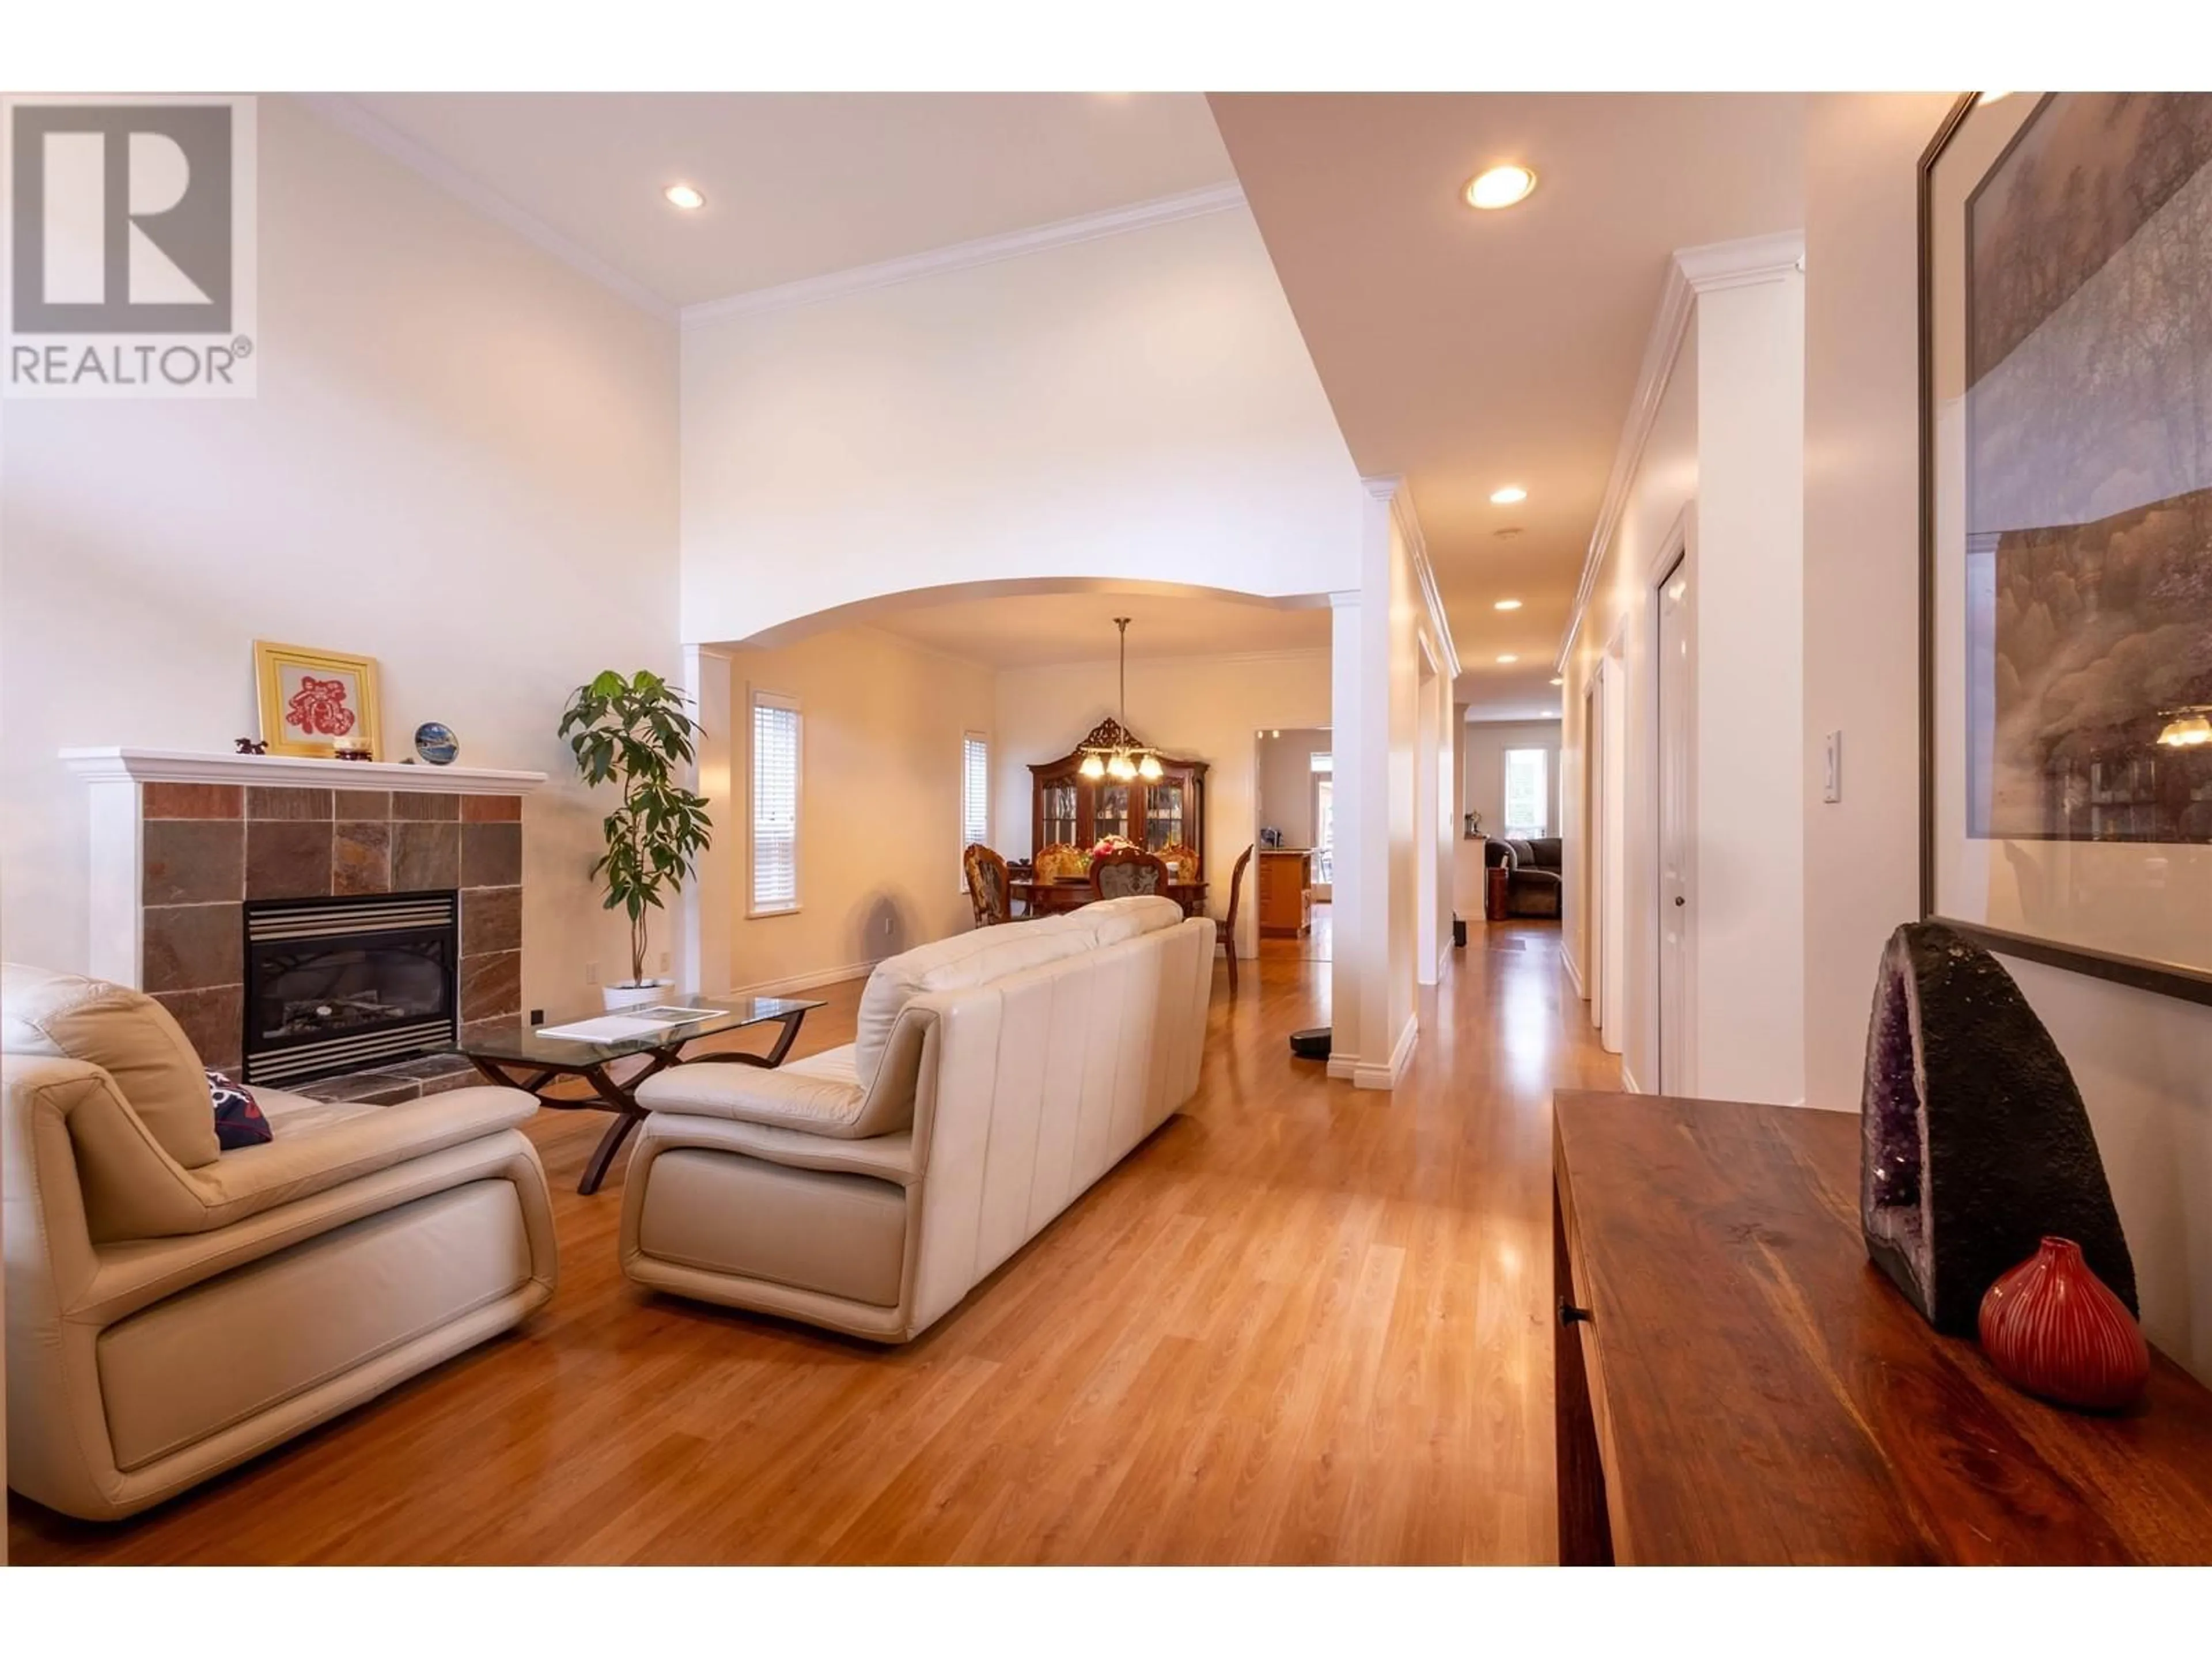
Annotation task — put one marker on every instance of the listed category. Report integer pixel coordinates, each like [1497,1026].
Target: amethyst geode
[1975,1143]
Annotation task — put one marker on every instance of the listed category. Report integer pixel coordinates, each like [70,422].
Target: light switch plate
[1832,788]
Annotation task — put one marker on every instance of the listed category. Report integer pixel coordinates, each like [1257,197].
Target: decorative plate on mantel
[435,743]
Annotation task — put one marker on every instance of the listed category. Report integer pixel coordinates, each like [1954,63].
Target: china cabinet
[1068,809]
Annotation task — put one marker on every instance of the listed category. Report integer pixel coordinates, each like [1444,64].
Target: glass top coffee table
[531,1057]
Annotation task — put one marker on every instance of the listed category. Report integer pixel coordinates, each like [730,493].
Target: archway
[1197,655]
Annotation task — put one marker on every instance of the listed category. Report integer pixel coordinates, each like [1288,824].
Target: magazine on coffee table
[630,1023]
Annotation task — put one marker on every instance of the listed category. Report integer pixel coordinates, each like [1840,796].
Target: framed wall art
[317,703]
[2066,530]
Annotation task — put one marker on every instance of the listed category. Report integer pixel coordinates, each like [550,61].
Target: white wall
[1140,406]
[1286,780]
[2144,1062]
[1392,667]
[880,837]
[1748,584]
[1619,621]
[462,462]
[1722,471]
[1194,708]
[1861,621]
[1487,741]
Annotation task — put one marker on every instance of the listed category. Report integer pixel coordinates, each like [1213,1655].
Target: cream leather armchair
[172,1311]
[996,1075]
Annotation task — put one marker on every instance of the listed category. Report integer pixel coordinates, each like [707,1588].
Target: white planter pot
[633,996]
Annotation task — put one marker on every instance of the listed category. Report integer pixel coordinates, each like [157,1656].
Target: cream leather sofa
[995,1075]
[173,1309]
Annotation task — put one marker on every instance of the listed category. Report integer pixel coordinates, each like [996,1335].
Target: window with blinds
[974,790]
[776,748]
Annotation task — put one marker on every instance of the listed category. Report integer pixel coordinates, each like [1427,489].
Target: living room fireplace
[338,985]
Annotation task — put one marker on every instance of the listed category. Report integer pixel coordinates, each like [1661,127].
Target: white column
[708,910]
[1428,884]
[1750,700]
[1350,897]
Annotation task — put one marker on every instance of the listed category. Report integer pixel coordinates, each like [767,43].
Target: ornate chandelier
[1111,752]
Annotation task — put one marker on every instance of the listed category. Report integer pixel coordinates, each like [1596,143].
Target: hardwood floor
[1302,1323]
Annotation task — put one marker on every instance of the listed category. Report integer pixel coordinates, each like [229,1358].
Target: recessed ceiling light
[1507,605]
[1500,187]
[685,197]
[1556,680]
[1509,657]
[1508,495]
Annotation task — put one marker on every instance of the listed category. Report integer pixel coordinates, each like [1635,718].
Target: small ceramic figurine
[251,746]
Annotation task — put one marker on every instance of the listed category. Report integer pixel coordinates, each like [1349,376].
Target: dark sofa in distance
[1533,880]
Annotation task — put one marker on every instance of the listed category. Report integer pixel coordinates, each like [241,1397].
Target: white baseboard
[777,988]
[1629,1077]
[1342,1067]
[1402,1055]
[1574,972]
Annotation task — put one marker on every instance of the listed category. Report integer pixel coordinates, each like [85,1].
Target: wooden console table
[1736,1384]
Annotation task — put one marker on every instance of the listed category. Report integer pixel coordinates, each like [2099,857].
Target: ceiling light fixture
[685,197]
[1500,186]
[1110,752]
[1558,680]
[1509,657]
[1508,495]
[1507,605]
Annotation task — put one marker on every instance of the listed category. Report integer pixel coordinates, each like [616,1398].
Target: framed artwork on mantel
[2066,531]
[316,702]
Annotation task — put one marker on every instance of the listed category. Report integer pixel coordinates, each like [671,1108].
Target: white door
[1594,848]
[1678,648]
[1613,857]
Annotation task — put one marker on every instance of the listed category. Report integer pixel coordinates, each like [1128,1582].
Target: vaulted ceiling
[1464,350]
[799,184]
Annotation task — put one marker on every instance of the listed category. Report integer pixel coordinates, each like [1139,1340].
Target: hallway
[1300,1324]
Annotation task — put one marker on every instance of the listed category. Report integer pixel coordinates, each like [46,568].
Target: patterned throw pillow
[237,1121]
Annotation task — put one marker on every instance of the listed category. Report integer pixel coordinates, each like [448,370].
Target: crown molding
[1398,495]
[963,256]
[348,115]
[1742,263]
[1691,271]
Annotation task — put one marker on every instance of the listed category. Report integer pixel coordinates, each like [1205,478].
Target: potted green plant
[635,732]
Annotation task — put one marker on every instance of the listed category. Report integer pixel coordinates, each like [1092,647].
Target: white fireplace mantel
[290,772]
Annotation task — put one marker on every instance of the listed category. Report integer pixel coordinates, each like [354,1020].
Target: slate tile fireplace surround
[183,845]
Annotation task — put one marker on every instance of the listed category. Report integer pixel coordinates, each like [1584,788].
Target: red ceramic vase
[2051,1328]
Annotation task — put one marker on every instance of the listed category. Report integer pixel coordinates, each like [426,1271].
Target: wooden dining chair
[1181,861]
[1229,932]
[1057,862]
[987,884]
[1127,871]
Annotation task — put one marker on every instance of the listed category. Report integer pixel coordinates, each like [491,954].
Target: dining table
[1050,895]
